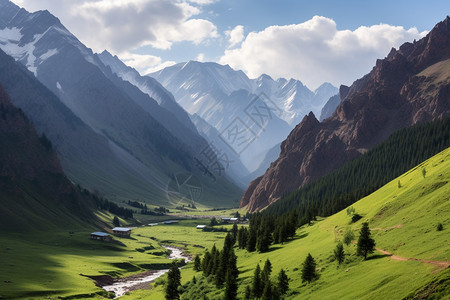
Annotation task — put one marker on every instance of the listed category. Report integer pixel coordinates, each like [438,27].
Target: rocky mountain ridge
[411,85]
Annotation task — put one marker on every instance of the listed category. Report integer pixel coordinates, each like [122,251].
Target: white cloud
[315,51]
[123,25]
[200,57]
[159,67]
[144,63]
[202,2]
[235,36]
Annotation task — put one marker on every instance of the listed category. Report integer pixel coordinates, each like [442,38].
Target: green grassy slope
[404,221]
[49,264]
[415,209]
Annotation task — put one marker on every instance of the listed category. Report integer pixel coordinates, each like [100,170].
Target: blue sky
[281,38]
[255,15]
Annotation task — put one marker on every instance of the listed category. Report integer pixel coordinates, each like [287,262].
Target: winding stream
[125,285]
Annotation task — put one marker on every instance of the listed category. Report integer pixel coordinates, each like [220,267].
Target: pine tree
[275,293]
[221,270]
[248,293]
[242,237]
[257,284]
[365,244]
[267,293]
[231,285]
[197,263]
[283,282]
[251,241]
[206,263]
[265,275]
[173,282]
[215,263]
[284,231]
[339,254]
[264,238]
[277,235]
[309,269]
[234,233]
[116,221]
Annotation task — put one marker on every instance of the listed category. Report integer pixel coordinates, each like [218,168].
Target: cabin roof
[124,229]
[99,233]
[170,222]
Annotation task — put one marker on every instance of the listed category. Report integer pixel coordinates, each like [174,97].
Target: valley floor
[413,256]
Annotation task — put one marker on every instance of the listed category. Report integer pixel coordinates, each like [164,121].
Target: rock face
[411,85]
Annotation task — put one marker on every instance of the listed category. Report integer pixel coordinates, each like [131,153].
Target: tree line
[220,268]
[333,192]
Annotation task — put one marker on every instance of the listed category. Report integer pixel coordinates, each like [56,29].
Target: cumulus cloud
[316,51]
[144,63]
[123,25]
[235,36]
[202,2]
[200,57]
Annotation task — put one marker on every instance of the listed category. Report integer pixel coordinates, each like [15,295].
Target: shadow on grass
[126,266]
[377,256]
[245,270]
[300,236]
[273,248]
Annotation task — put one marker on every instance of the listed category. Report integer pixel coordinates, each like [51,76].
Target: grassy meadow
[49,264]
[403,215]
[404,220]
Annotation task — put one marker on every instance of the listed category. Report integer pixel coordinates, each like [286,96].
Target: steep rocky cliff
[411,85]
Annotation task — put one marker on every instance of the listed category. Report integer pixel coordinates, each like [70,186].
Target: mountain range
[219,95]
[110,135]
[411,85]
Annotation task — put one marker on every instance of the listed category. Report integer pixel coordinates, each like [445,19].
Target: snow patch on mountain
[10,40]
[48,54]
[10,35]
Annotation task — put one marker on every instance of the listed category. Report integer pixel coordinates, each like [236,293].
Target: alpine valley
[197,181]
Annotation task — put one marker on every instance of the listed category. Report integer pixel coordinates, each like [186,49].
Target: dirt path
[384,229]
[388,228]
[439,264]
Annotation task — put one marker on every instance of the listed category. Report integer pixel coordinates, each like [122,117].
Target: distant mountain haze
[219,95]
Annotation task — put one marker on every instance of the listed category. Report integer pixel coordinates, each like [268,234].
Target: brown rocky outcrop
[411,85]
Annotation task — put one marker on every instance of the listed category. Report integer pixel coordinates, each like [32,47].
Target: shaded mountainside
[87,157]
[329,108]
[127,145]
[34,192]
[411,85]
